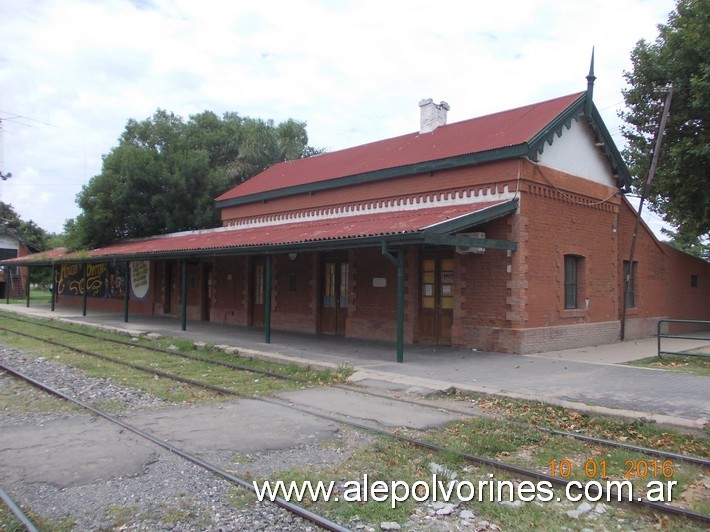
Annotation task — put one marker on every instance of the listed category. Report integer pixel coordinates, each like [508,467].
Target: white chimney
[432,115]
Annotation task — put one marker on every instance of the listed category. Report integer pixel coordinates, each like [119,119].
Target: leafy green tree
[165,173]
[690,244]
[679,57]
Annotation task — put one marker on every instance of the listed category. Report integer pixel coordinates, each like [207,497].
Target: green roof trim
[531,149]
[601,134]
[475,218]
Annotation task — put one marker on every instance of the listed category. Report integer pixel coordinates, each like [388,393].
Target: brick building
[13,279]
[509,233]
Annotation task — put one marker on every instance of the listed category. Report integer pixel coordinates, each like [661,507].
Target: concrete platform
[591,378]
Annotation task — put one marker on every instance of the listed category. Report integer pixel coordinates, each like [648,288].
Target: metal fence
[661,335]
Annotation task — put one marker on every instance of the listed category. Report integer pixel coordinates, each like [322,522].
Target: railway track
[17,512]
[314,518]
[662,454]
[480,460]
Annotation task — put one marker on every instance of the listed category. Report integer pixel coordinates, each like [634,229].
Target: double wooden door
[437,299]
[334,296]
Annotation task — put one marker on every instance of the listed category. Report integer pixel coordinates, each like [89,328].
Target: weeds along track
[663,454]
[659,508]
[287,505]
[17,512]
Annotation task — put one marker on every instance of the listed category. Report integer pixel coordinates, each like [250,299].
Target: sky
[72,72]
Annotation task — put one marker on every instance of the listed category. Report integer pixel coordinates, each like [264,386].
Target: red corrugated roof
[499,130]
[364,225]
[348,227]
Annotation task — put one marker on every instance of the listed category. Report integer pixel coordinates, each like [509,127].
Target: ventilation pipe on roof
[432,115]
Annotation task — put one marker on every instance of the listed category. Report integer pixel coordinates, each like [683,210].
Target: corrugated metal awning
[407,226]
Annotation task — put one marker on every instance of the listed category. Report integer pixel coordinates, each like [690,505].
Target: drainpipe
[399,262]
[267,301]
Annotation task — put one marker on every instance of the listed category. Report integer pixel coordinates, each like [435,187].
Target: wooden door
[437,300]
[334,298]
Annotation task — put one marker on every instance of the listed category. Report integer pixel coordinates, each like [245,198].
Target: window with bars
[572,263]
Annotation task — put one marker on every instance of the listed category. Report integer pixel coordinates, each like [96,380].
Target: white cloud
[354,70]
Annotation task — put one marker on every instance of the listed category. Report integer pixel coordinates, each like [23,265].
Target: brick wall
[688,286]
[535,340]
[483,295]
[373,314]
[228,303]
[294,295]
[663,287]
[514,302]
[558,225]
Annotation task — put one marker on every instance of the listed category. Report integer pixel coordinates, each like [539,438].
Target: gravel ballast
[168,493]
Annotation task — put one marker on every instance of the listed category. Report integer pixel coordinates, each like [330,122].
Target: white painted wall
[575,153]
[7,242]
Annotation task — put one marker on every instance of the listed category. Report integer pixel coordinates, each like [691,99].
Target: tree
[165,173]
[692,245]
[680,57]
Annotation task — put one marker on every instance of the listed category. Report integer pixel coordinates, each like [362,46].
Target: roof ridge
[447,146]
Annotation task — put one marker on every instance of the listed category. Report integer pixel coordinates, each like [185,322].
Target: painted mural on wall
[104,280]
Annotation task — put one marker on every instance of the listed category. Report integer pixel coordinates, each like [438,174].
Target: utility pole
[4,176]
[628,274]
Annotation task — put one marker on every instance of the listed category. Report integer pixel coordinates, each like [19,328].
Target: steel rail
[137,367]
[581,437]
[17,512]
[588,439]
[607,495]
[157,349]
[629,447]
[293,508]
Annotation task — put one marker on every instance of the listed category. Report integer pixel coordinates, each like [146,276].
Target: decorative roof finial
[590,88]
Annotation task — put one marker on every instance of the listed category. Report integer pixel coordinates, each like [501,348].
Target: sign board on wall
[140,278]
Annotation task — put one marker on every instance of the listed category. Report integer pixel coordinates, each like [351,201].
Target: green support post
[126,289]
[184,295]
[400,306]
[28,287]
[86,292]
[267,302]
[54,285]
